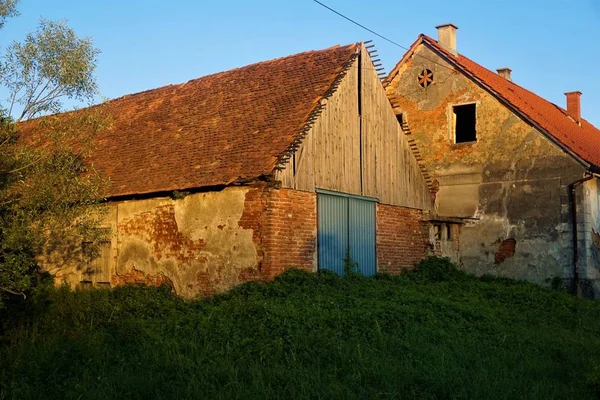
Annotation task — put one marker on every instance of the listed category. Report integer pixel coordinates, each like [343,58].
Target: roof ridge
[233,70]
[211,75]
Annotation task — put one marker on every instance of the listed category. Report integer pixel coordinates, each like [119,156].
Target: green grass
[431,334]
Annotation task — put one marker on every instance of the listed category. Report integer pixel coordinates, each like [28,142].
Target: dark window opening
[437,231]
[464,123]
[443,232]
[399,118]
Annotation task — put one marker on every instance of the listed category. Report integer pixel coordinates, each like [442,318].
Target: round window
[425,78]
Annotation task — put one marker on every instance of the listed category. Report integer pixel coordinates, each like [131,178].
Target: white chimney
[447,37]
[505,73]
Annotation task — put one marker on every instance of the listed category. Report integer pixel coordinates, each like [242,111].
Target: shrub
[436,269]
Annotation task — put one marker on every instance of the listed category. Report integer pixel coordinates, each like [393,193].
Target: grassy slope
[423,335]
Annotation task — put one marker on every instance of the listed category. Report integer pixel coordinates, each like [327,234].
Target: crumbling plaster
[509,184]
[195,244]
[588,236]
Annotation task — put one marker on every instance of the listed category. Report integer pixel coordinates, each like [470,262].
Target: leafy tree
[8,8]
[48,193]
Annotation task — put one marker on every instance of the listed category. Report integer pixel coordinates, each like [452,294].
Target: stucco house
[294,162]
[519,171]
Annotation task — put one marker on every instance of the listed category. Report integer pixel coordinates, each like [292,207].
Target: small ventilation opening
[464,123]
[399,118]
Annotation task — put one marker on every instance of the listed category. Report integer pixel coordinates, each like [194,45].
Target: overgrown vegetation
[434,333]
[48,194]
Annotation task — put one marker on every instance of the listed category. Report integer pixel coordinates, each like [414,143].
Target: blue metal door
[361,230]
[332,214]
[346,222]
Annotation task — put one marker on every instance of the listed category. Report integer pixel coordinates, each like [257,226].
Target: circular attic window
[425,78]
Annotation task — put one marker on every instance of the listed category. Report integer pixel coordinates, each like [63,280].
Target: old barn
[296,162]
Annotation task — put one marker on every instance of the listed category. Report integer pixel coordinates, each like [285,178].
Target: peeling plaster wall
[195,243]
[204,243]
[588,237]
[443,241]
[66,264]
[512,182]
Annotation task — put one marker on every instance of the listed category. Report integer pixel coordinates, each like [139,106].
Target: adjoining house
[295,162]
[520,171]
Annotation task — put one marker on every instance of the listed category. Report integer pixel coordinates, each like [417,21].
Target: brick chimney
[574,105]
[505,73]
[447,37]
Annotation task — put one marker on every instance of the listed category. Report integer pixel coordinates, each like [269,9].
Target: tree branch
[5,141]
[7,290]
[12,101]
[32,91]
[31,104]
[38,104]
[31,164]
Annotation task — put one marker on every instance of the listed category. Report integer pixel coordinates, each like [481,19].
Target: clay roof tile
[213,130]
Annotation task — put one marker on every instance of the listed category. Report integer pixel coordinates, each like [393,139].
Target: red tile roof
[214,130]
[583,141]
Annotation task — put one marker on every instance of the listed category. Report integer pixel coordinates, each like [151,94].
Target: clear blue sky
[552,46]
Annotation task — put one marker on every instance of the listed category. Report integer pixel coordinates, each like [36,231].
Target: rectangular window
[437,231]
[464,122]
[443,232]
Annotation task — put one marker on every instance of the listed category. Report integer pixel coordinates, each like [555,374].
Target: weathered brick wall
[208,242]
[253,218]
[198,244]
[400,243]
[290,233]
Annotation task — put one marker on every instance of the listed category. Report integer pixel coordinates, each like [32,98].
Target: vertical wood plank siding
[331,155]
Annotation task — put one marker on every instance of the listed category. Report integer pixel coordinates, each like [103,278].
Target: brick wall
[400,243]
[253,218]
[209,242]
[290,231]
